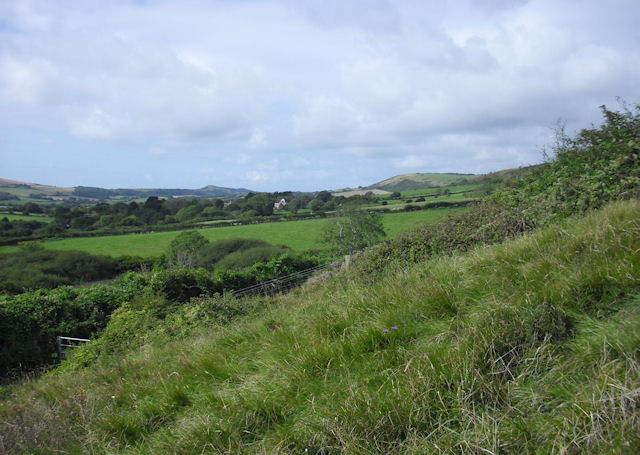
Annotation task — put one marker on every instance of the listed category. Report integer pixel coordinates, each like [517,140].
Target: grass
[411,181]
[431,191]
[11,216]
[298,235]
[530,346]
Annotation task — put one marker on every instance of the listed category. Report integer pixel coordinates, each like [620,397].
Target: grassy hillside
[528,346]
[406,182]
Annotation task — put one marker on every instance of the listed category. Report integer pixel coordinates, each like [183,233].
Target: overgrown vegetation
[32,267]
[530,346]
[32,320]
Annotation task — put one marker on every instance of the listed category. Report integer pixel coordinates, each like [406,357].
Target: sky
[303,95]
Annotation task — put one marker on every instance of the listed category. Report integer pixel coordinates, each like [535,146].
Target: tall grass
[530,346]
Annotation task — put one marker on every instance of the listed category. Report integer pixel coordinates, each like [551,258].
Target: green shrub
[247,257]
[30,322]
[185,249]
[180,285]
[214,252]
[34,268]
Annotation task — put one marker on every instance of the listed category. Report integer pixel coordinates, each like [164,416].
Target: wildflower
[72,413]
[385,330]
[394,328]
[578,251]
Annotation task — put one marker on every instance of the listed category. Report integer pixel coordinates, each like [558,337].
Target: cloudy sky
[300,94]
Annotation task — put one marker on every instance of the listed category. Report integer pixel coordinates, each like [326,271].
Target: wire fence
[283,284]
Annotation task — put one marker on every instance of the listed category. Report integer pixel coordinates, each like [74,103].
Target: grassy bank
[529,346]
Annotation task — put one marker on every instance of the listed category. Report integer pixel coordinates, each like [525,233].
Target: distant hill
[36,192]
[419,181]
[134,193]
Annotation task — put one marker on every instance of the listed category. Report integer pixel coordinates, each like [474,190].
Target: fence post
[59,341]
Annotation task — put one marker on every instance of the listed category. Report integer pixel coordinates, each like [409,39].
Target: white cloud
[412,162]
[337,90]
[255,176]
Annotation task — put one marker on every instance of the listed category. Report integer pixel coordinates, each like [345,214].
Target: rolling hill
[35,192]
[419,181]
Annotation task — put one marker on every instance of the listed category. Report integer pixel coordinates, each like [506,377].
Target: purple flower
[385,330]
[578,251]
[71,413]
[394,328]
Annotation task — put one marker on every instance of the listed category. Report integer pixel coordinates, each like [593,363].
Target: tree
[299,203]
[324,196]
[316,205]
[185,248]
[353,230]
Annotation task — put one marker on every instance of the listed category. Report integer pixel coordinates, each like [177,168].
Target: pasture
[12,216]
[299,235]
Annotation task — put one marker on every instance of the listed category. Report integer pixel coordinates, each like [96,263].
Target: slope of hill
[419,181]
[134,193]
[33,191]
[530,346]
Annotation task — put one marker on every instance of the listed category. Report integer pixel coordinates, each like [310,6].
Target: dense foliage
[30,322]
[32,267]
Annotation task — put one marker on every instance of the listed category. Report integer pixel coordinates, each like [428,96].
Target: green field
[299,235]
[12,217]
[453,189]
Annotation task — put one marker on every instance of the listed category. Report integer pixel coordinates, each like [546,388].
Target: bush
[32,268]
[180,285]
[30,322]
[212,253]
[185,248]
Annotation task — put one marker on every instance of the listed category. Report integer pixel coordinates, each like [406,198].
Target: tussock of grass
[529,346]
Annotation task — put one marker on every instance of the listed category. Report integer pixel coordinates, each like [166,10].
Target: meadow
[299,235]
[12,216]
